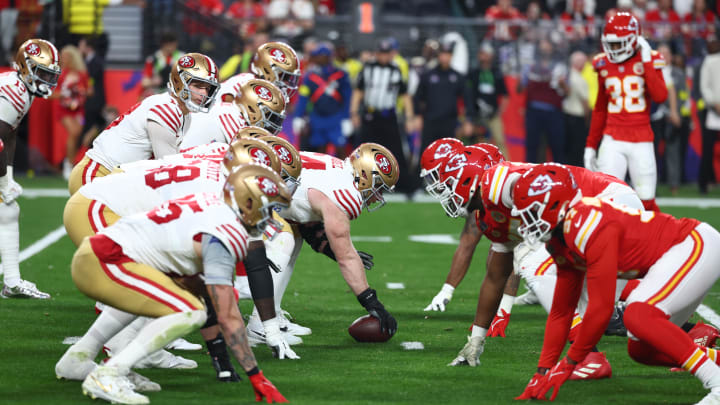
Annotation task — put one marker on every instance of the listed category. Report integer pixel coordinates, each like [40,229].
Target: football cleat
[224,369]
[704,335]
[712,398]
[256,334]
[24,289]
[142,383]
[109,384]
[182,344]
[287,326]
[594,367]
[74,365]
[529,298]
[616,326]
[165,359]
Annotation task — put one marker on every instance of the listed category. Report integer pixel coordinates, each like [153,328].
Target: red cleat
[704,335]
[594,367]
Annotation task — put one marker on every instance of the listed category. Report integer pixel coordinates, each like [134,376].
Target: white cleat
[109,384]
[142,383]
[182,344]
[165,359]
[290,327]
[712,398]
[529,298]
[24,289]
[74,365]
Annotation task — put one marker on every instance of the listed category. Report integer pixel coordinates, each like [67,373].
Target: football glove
[367,259]
[470,353]
[645,49]
[265,389]
[442,298]
[276,342]
[532,387]
[369,301]
[499,324]
[590,159]
[554,379]
[10,190]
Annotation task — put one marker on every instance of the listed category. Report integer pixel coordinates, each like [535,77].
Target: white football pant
[617,158]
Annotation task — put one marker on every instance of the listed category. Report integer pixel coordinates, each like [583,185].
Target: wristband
[506,304]
[253,371]
[447,289]
[478,331]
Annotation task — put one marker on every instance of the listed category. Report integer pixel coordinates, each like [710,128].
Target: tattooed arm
[232,325]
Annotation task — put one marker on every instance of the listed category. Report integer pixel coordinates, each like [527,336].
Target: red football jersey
[622,109]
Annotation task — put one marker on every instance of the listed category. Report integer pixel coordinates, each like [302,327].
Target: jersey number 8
[628,92]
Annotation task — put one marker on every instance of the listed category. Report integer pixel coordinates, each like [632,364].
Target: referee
[372,110]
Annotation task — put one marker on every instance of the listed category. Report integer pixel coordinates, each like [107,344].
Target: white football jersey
[234,84]
[163,237]
[220,124]
[126,139]
[213,151]
[332,177]
[15,99]
[148,183]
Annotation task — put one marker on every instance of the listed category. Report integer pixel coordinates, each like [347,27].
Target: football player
[137,267]
[155,126]
[596,241]
[35,75]
[629,78]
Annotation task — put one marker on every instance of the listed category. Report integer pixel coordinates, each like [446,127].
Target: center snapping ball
[367,329]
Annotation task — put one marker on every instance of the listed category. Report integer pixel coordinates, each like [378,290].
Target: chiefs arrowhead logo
[267,186]
[383,163]
[284,154]
[278,55]
[263,92]
[259,156]
[32,49]
[542,184]
[186,61]
[442,151]
[455,163]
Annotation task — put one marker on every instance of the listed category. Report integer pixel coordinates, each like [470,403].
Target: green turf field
[333,369]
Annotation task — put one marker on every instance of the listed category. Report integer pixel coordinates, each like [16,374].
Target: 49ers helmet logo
[32,49]
[383,163]
[260,156]
[283,154]
[263,92]
[186,61]
[267,186]
[442,151]
[541,185]
[278,55]
[455,163]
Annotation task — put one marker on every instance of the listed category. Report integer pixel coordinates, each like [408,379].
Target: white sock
[155,335]
[10,242]
[478,331]
[125,336]
[110,322]
[709,374]
[280,251]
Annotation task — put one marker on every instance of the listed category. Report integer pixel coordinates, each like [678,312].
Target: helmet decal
[186,61]
[383,163]
[455,163]
[32,49]
[284,154]
[442,151]
[263,92]
[541,185]
[278,55]
[260,156]
[267,186]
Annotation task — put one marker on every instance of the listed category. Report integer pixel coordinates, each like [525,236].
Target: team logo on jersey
[283,154]
[455,163]
[541,185]
[267,186]
[638,68]
[263,92]
[498,216]
[32,49]
[383,163]
[260,156]
[442,151]
[186,61]
[604,73]
[278,55]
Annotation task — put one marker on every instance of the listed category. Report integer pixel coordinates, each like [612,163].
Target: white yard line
[40,244]
[709,314]
[45,192]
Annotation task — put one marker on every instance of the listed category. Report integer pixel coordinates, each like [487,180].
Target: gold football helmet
[248,150]
[262,105]
[289,158]
[197,68]
[278,63]
[254,191]
[37,65]
[376,171]
[252,132]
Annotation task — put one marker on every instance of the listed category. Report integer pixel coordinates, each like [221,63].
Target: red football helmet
[460,178]
[433,157]
[619,38]
[541,197]
[495,153]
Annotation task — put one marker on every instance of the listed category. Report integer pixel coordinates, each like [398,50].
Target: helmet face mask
[534,229]
[620,35]
[198,71]
[37,64]
[460,177]
[433,158]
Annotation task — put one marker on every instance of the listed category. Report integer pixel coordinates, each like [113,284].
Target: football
[367,329]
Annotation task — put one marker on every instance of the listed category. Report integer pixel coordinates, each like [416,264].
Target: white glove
[645,49]
[590,159]
[470,354]
[441,299]
[276,342]
[298,124]
[347,127]
[9,189]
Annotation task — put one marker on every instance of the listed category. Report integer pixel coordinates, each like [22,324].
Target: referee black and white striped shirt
[382,85]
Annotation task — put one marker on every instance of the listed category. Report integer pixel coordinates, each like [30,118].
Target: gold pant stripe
[85,217]
[85,172]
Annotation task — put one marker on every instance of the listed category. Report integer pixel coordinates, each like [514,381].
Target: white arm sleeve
[164,141]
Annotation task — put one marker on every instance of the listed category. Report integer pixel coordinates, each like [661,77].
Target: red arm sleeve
[602,259]
[599,116]
[655,83]
[567,293]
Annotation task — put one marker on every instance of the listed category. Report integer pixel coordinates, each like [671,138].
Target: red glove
[555,378]
[532,387]
[499,324]
[264,388]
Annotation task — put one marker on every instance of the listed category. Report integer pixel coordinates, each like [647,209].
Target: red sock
[650,205]
[629,287]
[667,344]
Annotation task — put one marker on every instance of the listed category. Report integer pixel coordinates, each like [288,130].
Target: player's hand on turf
[499,324]
[367,259]
[645,49]
[265,389]
[10,190]
[280,347]
[368,299]
[441,299]
[532,388]
[590,159]
[470,353]
[555,378]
